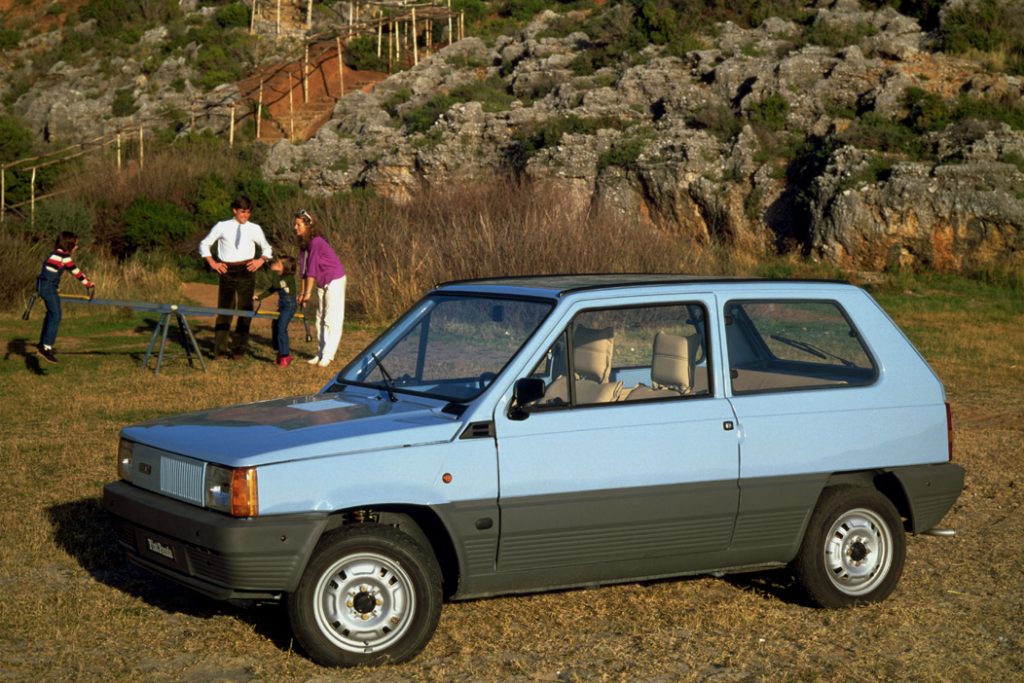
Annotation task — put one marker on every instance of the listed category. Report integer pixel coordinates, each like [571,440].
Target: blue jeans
[279,328]
[51,323]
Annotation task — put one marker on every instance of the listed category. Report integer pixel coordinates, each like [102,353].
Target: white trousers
[330,315]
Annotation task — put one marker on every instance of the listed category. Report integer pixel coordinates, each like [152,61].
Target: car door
[596,485]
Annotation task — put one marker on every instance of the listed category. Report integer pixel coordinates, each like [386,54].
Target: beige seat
[592,360]
[672,365]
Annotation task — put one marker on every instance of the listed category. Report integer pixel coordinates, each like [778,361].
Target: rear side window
[787,345]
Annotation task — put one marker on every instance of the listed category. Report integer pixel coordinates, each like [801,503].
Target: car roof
[560,285]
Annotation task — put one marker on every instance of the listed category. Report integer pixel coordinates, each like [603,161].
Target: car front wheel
[370,595]
[854,548]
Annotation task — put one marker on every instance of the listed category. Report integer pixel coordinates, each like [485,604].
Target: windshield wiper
[389,383]
[807,347]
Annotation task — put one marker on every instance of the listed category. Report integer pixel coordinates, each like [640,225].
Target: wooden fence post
[231,129]
[291,109]
[391,50]
[3,192]
[462,24]
[278,18]
[415,48]
[252,17]
[32,203]
[341,67]
[305,75]
[142,150]
[309,15]
[259,110]
[380,33]
[119,150]
[450,33]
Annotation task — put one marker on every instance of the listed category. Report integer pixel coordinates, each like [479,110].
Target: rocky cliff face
[763,140]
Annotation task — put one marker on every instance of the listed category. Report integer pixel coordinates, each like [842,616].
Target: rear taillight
[949,430]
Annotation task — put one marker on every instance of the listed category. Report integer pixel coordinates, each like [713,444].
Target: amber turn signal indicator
[244,498]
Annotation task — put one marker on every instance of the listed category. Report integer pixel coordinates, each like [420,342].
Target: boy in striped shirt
[47,284]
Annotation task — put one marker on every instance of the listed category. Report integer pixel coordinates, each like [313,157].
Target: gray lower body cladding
[217,555]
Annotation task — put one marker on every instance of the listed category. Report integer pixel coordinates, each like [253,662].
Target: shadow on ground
[21,347]
[83,530]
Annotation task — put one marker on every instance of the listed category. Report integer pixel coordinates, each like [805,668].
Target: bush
[122,21]
[123,103]
[492,93]
[151,223]
[531,139]
[875,131]
[770,112]
[717,119]
[9,38]
[421,119]
[361,54]
[626,151]
[56,215]
[235,15]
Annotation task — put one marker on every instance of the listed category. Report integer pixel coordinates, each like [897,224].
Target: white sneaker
[315,360]
[325,362]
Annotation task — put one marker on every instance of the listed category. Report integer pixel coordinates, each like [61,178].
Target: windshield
[449,347]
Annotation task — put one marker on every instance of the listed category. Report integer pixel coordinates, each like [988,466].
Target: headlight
[125,454]
[232,490]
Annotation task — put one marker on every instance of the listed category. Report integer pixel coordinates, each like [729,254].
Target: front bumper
[227,558]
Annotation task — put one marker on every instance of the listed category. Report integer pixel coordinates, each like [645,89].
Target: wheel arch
[421,523]
[883,481]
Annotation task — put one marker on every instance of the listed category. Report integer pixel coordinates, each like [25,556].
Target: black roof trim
[627,280]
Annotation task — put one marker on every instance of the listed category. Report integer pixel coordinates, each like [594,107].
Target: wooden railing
[118,139]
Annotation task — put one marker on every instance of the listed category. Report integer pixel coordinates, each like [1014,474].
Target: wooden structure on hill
[294,99]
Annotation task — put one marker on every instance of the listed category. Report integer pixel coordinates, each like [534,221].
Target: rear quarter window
[790,345]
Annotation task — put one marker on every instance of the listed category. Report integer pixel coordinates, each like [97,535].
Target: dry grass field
[71,608]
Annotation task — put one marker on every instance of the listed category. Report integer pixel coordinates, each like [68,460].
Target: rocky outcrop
[709,144]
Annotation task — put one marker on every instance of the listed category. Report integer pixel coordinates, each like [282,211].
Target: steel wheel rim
[858,552]
[364,602]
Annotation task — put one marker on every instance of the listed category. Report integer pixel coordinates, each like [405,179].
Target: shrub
[875,131]
[626,151]
[492,93]
[926,111]
[717,119]
[122,21]
[532,138]
[150,223]
[827,35]
[235,15]
[770,112]
[421,119]
[56,215]
[361,54]
[9,38]
[123,103]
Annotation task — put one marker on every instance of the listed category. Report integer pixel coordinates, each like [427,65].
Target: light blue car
[526,434]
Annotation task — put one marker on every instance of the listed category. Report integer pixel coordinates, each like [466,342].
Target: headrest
[673,360]
[592,352]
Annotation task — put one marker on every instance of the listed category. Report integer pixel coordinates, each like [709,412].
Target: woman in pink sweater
[320,268]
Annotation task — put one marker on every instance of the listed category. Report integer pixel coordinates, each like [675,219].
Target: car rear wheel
[854,548]
[370,595]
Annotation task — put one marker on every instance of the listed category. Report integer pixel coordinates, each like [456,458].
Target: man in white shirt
[237,263]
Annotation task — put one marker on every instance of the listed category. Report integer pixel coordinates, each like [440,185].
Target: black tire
[370,595]
[853,550]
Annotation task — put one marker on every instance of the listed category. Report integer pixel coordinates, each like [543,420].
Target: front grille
[168,473]
[182,478]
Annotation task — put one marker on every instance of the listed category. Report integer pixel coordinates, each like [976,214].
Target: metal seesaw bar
[179,312]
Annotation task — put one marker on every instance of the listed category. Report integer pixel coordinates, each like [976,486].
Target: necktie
[238,235]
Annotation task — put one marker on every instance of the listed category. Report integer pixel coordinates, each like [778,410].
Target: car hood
[296,428]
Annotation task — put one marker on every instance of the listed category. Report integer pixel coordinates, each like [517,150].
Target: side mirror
[526,391]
